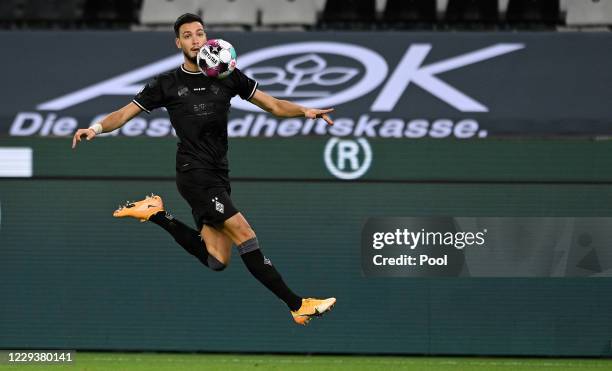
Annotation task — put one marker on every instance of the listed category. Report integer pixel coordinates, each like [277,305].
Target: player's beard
[191,59]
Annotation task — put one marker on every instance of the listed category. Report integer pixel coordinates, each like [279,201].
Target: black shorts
[208,193]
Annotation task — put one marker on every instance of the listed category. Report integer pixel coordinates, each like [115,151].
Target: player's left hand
[313,113]
[88,133]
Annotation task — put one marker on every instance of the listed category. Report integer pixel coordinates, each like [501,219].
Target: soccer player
[198,108]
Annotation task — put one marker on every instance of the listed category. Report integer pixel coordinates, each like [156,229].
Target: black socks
[262,269]
[188,238]
[251,255]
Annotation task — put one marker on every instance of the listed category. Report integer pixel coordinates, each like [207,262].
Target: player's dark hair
[186,18]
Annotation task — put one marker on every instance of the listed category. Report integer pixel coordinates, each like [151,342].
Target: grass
[230,362]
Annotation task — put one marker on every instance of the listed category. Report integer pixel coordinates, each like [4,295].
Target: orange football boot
[312,308]
[141,210]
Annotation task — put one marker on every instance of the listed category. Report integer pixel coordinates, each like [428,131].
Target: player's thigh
[218,244]
[238,229]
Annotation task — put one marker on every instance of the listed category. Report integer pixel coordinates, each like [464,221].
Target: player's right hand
[89,134]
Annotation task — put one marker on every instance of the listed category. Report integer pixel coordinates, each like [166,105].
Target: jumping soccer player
[198,108]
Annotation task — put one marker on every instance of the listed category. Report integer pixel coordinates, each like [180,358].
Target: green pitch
[230,362]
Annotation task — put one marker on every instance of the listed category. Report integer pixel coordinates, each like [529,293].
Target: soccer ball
[217,58]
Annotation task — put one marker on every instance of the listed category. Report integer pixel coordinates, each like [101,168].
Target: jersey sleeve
[244,85]
[151,96]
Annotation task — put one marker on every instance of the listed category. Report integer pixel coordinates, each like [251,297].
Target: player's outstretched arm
[285,108]
[111,122]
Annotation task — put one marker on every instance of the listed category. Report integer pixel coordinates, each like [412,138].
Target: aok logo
[309,74]
[297,79]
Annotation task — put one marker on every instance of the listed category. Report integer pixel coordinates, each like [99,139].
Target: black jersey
[198,107]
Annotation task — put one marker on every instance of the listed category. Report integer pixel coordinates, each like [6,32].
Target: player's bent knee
[244,232]
[238,228]
[214,264]
[247,234]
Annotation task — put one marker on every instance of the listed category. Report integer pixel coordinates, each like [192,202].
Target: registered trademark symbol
[346,158]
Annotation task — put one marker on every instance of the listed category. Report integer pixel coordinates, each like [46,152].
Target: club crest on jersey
[183,91]
[218,205]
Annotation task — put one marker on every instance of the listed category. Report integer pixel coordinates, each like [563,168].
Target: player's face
[190,40]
